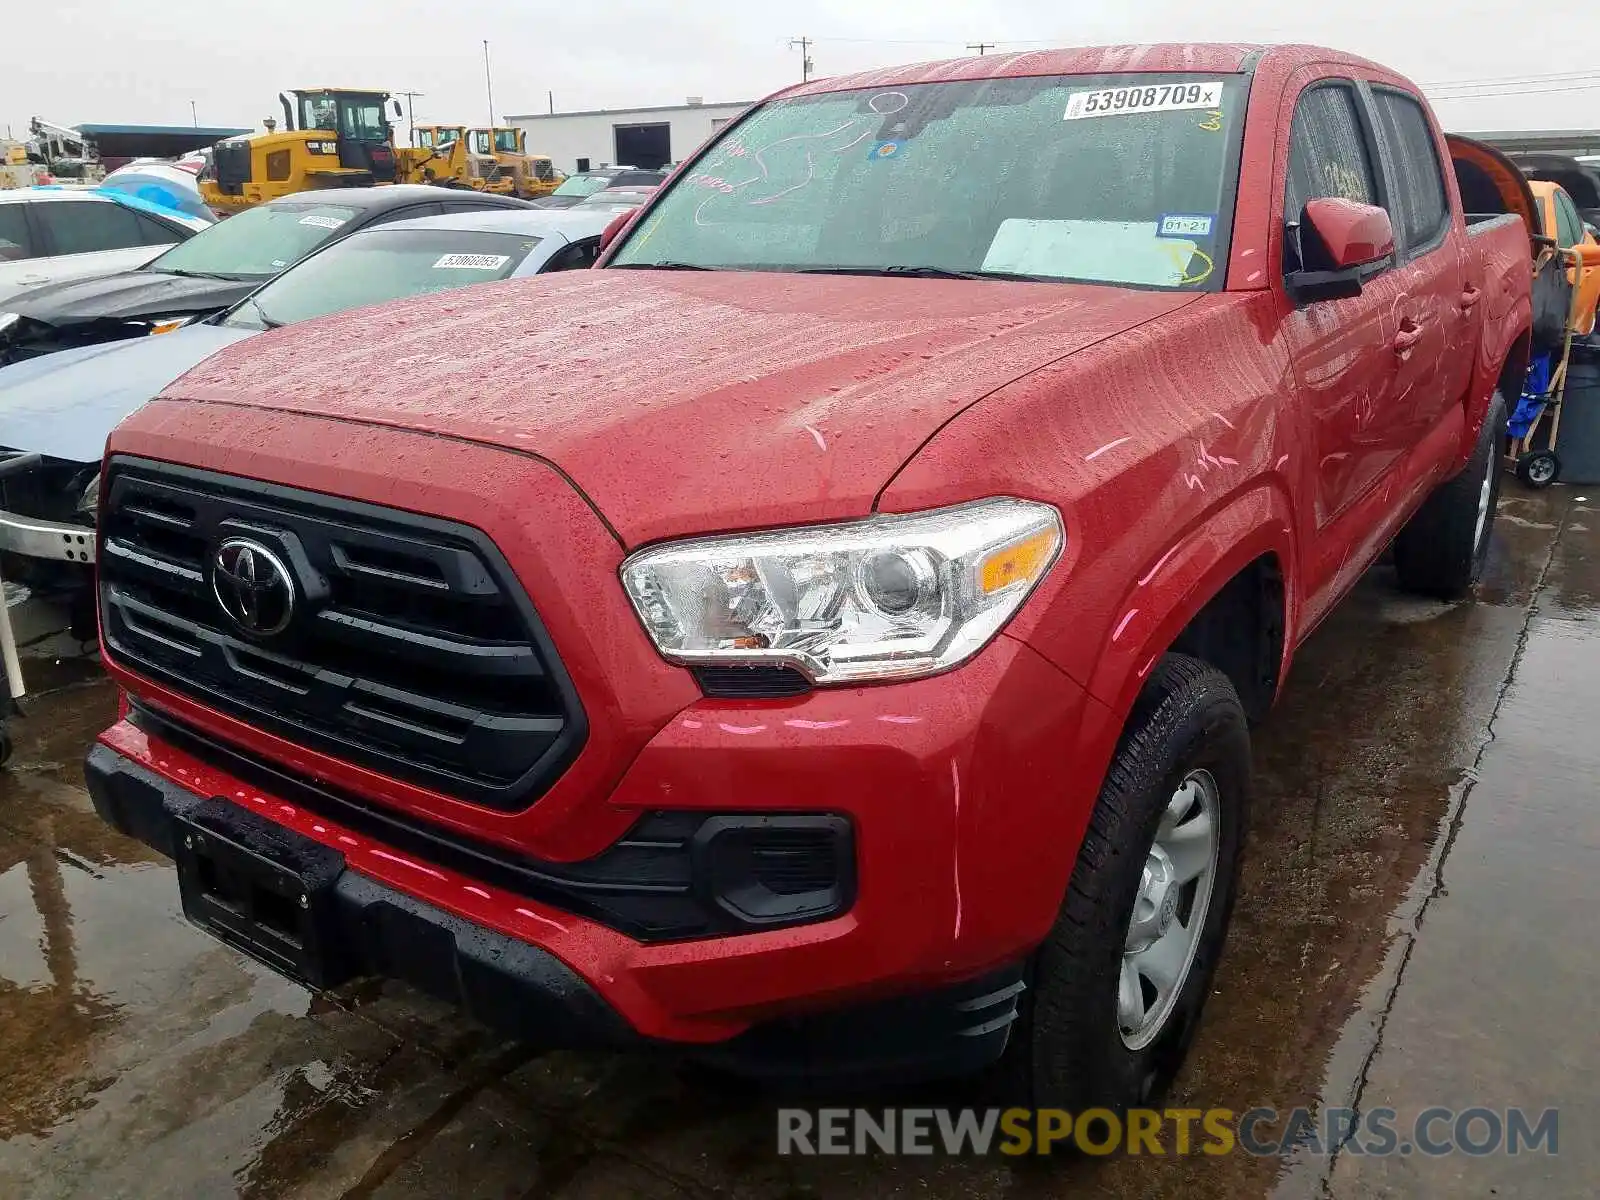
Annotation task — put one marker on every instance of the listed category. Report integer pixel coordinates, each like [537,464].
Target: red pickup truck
[824,638]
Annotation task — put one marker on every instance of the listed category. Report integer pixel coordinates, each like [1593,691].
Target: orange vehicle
[1559,216]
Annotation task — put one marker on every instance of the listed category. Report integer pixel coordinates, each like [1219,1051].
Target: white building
[635,137]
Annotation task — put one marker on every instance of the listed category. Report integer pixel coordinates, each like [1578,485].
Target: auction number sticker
[321,222]
[471,262]
[1165,97]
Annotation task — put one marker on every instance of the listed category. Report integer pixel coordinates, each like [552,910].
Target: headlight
[89,502]
[886,598]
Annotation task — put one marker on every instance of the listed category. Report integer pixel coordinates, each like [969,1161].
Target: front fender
[1174,586]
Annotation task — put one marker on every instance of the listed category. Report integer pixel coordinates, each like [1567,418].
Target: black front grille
[231,163]
[412,650]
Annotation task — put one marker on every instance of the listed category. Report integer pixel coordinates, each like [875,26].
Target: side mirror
[398,111]
[620,222]
[1340,240]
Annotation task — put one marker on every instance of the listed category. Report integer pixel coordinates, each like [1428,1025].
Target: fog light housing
[776,870]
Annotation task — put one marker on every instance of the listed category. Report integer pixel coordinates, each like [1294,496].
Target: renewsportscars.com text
[1263,1132]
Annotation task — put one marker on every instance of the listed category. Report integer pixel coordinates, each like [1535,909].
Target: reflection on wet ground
[1414,929]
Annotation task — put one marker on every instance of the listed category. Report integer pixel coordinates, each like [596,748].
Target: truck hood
[63,405]
[683,402]
[130,295]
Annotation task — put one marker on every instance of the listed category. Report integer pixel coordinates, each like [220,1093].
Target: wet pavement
[1415,928]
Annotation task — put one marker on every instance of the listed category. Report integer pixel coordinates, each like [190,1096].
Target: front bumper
[55,541]
[967,792]
[528,993]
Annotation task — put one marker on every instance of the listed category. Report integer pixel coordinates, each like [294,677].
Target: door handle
[1410,334]
[1470,295]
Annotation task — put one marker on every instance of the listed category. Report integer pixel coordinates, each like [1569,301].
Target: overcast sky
[108,61]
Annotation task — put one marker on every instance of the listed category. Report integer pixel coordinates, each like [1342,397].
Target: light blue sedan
[56,410]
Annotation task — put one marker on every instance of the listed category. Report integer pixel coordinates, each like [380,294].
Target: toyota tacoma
[824,638]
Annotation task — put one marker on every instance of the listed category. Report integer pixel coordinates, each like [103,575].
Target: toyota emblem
[253,587]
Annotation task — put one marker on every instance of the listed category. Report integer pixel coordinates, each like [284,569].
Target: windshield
[256,244]
[424,138]
[1107,178]
[505,141]
[377,265]
[582,185]
[478,140]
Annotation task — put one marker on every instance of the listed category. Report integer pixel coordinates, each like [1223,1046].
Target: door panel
[1433,305]
[1342,349]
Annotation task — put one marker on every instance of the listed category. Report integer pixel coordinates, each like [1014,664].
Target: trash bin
[1579,442]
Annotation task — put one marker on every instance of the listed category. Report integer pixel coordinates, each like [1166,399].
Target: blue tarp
[1535,395]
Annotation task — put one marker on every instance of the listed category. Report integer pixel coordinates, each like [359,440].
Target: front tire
[1119,983]
[1441,550]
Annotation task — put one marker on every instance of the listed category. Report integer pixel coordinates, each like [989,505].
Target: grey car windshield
[380,265]
[583,185]
[256,244]
[1124,179]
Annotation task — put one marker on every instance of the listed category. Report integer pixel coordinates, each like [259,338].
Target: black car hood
[132,295]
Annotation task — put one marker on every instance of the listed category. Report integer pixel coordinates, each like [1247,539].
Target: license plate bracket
[262,889]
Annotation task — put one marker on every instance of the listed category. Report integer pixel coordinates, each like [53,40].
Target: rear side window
[1327,158]
[14,240]
[1417,207]
[87,226]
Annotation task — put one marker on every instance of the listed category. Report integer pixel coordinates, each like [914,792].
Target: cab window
[363,121]
[1327,158]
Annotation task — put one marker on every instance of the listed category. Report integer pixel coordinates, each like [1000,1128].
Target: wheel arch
[1225,593]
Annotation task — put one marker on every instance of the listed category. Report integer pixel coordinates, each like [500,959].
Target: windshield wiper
[922,273]
[189,274]
[261,314]
[663,266]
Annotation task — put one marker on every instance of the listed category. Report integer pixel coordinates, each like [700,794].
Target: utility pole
[805,45]
[552,103]
[411,116]
[488,81]
[980,47]
[194,114]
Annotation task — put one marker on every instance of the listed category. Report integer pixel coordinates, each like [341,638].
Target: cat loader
[331,138]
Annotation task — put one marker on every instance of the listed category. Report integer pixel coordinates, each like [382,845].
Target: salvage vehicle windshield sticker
[321,221]
[472,262]
[1184,225]
[1120,102]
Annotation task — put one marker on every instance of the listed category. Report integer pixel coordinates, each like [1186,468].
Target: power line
[1532,91]
[1549,76]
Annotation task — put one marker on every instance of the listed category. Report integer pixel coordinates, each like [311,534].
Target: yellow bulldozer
[331,137]
[521,174]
